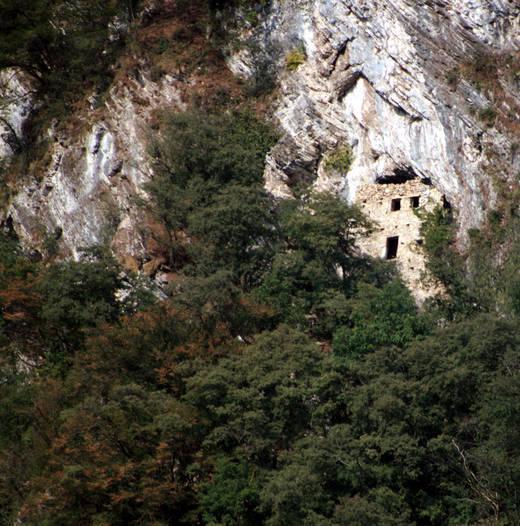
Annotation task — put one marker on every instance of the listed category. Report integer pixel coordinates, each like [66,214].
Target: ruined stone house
[395,206]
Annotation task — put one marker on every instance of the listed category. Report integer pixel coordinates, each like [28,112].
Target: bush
[295,58]
[452,77]
[487,115]
[340,161]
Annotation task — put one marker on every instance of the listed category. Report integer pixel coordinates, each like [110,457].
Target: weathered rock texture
[379,75]
[376,77]
[15,103]
[94,174]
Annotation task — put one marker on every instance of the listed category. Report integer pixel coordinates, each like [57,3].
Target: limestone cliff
[377,77]
[424,90]
[399,82]
[93,174]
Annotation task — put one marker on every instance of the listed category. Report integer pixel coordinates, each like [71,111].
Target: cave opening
[399,176]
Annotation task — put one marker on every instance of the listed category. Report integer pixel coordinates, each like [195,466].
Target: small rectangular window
[391,247]
[396,205]
[414,201]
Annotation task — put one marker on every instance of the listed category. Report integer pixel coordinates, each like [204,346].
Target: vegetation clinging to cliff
[63,47]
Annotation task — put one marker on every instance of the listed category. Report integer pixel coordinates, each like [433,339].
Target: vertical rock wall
[15,104]
[95,172]
[376,77]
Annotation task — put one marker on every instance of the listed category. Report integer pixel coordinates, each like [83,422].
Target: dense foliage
[285,380]
[485,279]
[63,45]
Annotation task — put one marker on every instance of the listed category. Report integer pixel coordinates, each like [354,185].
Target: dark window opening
[396,205]
[414,201]
[391,247]
[445,203]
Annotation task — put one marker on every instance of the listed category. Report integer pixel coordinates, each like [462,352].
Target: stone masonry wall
[379,201]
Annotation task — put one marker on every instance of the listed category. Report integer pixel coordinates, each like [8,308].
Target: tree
[217,303]
[379,317]
[256,402]
[325,228]
[217,148]
[316,266]
[22,330]
[16,453]
[80,295]
[124,459]
[29,39]
[231,497]
[446,266]
[195,158]
[233,232]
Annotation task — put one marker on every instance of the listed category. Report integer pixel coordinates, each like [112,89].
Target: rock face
[376,78]
[380,77]
[15,103]
[93,175]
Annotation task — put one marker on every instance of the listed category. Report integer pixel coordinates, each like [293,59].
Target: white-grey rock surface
[88,189]
[375,78]
[15,104]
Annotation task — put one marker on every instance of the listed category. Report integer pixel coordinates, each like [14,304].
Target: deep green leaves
[380,317]
[217,148]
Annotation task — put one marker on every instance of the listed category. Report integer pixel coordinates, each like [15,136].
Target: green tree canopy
[206,195]
[316,265]
[379,317]
[217,148]
[233,232]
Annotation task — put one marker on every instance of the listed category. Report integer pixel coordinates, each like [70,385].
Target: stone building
[393,206]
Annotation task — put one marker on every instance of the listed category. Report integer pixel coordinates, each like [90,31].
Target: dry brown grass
[173,40]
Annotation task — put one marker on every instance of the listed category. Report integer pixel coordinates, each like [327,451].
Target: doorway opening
[391,247]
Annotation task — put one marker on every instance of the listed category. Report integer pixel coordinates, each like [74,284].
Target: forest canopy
[284,380]
[280,377]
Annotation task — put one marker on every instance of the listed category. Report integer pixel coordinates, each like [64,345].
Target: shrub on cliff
[63,46]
